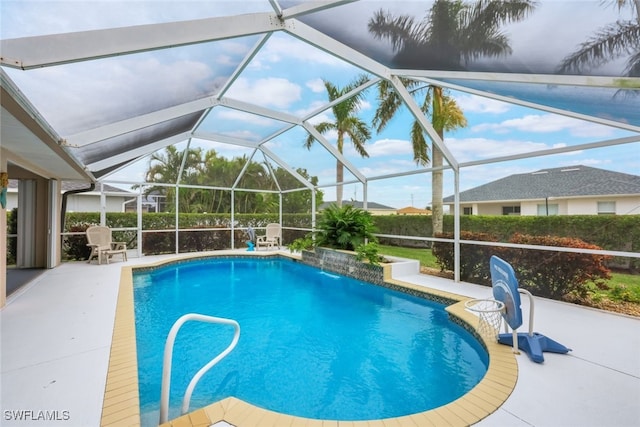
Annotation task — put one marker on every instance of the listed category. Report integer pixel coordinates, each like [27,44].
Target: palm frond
[611,42]
[419,144]
[399,30]
[633,66]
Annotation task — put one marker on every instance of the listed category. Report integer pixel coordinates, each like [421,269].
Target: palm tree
[164,167]
[609,43]
[452,34]
[346,124]
[445,116]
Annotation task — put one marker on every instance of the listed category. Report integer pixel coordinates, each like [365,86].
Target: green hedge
[620,232]
[548,274]
[194,240]
[610,232]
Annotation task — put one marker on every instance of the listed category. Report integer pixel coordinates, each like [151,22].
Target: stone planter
[345,263]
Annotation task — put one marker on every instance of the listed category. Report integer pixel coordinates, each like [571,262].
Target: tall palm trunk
[339,178]
[339,170]
[436,191]
[436,163]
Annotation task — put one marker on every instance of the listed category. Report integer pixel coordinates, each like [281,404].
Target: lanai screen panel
[132,140]
[616,105]
[540,40]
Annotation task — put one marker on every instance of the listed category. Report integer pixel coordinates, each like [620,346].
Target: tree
[346,124]
[452,34]
[445,116]
[611,42]
[165,167]
[209,169]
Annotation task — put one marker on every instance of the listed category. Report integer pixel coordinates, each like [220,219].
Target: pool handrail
[168,355]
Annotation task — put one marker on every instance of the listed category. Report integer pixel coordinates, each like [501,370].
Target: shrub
[345,228]
[369,252]
[76,246]
[302,243]
[12,243]
[545,273]
[556,274]
[474,259]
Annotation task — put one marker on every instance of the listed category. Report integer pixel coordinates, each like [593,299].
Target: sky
[287,76]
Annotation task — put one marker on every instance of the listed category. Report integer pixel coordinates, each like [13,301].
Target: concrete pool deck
[57,335]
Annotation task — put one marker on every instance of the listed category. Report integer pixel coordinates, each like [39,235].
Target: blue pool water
[312,344]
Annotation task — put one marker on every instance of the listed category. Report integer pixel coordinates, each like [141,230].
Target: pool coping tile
[121,399]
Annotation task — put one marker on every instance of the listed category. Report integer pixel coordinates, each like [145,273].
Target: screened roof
[109,83]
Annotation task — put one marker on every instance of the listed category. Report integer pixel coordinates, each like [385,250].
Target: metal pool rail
[168,355]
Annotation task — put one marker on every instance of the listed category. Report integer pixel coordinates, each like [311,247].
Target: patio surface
[57,330]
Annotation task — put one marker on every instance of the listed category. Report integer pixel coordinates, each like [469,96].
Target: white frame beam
[55,49]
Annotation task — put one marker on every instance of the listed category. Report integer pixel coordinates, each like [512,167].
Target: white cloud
[391,166]
[364,105]
[389,147]
[273,91]
[547,123]
[589,162]
[316,85]
[477,104]
[281,46]
[468,149]
[241,116]
[310,108]
[244,134]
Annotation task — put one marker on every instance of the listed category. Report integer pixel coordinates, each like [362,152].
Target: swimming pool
[312,344]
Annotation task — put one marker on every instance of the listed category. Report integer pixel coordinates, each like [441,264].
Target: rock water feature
[345,263]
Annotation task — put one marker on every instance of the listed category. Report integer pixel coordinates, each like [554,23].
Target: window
[548,209]
[606,208]
[467,211]
[511,210]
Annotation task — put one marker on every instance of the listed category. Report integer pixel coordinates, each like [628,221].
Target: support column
[3,242]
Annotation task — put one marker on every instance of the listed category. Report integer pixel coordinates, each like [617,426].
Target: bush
[474,259]
[76,246]
[163,242]
[369,252]
[345,228]
[12,242]
[611,232]
[556,274]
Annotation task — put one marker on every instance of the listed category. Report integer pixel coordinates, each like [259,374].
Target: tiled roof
[413,210]
[570,181]
[357,204]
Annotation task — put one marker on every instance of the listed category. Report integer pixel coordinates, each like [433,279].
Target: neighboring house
[83,202]
[575,190]
[372,207]
[410,210]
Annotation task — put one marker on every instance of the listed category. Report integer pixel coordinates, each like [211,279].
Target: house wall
[382,211]
[486,208]
[589,206]
[625,205]
[531,207]
[89,202]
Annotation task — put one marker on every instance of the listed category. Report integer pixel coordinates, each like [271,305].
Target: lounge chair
[272,237]
[102,246]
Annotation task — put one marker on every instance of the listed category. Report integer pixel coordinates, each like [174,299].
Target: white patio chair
[102,246]
[272,237]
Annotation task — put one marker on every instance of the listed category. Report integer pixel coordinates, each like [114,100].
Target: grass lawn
[423,255]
